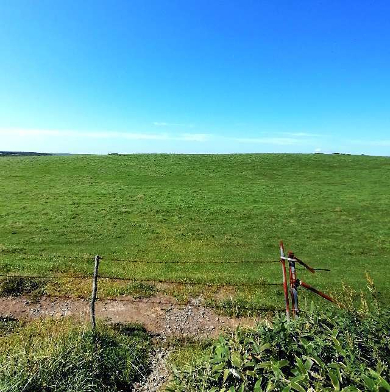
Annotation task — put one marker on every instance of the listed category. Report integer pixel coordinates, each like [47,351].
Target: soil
[161,315]
[159,375]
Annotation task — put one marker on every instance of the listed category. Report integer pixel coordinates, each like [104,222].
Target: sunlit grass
[64,355]
[56,213]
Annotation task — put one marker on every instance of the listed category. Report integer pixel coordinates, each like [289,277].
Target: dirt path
[161,314]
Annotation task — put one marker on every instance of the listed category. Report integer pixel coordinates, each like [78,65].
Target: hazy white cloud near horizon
[189,137]
[196,137]
[102,142]
[282,141]
[166,124]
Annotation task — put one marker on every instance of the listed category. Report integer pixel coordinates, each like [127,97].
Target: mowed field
[208,219]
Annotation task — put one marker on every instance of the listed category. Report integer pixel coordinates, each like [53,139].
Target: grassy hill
[199,211]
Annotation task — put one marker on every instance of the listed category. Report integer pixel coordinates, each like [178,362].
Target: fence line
[85,277]
[194,262]
[178,261]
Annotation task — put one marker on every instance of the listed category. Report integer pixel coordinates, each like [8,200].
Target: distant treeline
[25,153]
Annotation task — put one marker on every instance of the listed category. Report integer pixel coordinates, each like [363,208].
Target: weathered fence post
[295,283]
[94,291]
[285,289]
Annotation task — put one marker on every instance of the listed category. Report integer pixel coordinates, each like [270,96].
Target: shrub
[326,351]
[16,286]
[64,356]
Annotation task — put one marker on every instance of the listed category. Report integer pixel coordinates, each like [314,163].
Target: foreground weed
[319,352]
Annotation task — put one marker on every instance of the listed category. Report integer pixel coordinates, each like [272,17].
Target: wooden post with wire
[94,292]
[295,282]
[282,261]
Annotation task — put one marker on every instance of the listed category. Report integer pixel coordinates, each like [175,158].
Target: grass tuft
[17,286]
[66,356]
[8,325]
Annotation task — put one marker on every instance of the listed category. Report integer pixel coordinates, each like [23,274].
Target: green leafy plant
[333,351]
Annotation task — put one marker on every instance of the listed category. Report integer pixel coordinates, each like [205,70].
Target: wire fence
[161,281]
[227,305]
[195,262]
[184,281]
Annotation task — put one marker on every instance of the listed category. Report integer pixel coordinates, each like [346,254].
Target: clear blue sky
[195,76]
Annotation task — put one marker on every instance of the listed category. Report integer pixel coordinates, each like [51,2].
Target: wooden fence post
[285,289]
[94,291]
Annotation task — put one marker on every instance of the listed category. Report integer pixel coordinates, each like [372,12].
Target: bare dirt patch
[161,314]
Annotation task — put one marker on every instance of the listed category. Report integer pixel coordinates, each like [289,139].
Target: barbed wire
[180,282]
[111,258]
[192,262]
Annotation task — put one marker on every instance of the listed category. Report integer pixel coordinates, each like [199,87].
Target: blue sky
[198,76]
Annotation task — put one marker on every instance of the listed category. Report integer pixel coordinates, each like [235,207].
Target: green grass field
[200,211]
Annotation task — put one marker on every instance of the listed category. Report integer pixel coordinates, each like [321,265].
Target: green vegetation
[211,220]
[16,286]
[322,351]
[135,289]
[66,356]
[8,325]
[200,211]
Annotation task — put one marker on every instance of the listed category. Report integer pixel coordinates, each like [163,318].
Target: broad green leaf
[301,366]
[297,387]
[257,387]
[218,368]
[264,365]
[308,363]
[236,359]
[264,347]
[226,373]
[270,386]
[298,378]
[319,361]
[283,363]
[337,345]
[369,382]
[334,379]
[259,349]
